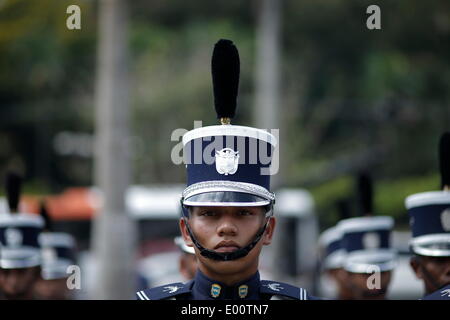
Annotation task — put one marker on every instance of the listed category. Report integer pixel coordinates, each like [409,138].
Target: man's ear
[268,234]
[184,232]
[416,266]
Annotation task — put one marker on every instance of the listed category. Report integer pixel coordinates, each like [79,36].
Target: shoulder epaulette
[169,291]
[283,289]
[441,294]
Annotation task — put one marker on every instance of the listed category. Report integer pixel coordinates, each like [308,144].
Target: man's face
[340,277]
[359,283]
[55,289]
[18,283]
[434,271]
[227,229]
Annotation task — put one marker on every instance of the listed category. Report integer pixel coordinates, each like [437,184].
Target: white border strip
[419,244]
[139,295]
[144,295]
[366,224]
[56,239]
[427,198]
[230,130]
[226,204]
[330,235]
[21,220]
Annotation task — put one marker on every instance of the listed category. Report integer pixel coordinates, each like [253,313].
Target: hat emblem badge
[227,161]
[445,219]
[14,237]
[371,240]
[49,255]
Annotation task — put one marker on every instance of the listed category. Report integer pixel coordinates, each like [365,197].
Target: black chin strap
[226,256]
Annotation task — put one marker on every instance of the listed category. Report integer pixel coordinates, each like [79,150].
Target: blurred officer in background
[332,259]
[430,224]
[369,259]
[20,255]
[227,205]
[188,260]
[366,241]
[58,254]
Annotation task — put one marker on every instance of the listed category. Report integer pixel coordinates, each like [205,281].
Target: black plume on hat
[225,67]
[343,207]
[44,214]
[13,185]
[365,193]
[444,159]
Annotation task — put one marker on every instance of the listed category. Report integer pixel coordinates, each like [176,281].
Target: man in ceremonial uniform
[227,206]
[369,258]
[20,256]
[430,223]
[332,260]
[58,253]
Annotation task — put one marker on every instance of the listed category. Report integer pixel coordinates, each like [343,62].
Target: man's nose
[227,227]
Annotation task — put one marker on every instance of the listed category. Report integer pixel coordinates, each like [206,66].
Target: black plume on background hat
[444,159]
[48,225]
[343,207]
[13,185]
[225,68]
[365,194]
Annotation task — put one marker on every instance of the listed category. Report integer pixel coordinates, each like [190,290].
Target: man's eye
[207,213]
[245,213]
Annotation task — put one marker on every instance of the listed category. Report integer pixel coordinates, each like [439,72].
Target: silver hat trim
[360,224]
[419,244]
[361,260]
[230,130]
[427,198]
[214,186]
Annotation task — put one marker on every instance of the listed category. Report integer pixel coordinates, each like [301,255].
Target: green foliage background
[352,99]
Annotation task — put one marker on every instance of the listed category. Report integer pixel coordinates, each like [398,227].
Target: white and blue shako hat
[58,249]
[366,239]
[227,165]
[429,212]
[229,170]
[367,243]
[19,232]
[332,254]
[330,242]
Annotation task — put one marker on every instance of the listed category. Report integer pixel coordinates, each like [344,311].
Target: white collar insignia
[275,287]
[171,289]
[445,292]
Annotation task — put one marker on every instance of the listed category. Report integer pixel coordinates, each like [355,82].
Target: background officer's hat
[332,253]
[58,250]
[19,232]
[367,239]
[430,212]
[225,162]
[182,245]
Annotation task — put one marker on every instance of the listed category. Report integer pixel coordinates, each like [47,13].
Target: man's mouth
[226,246]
